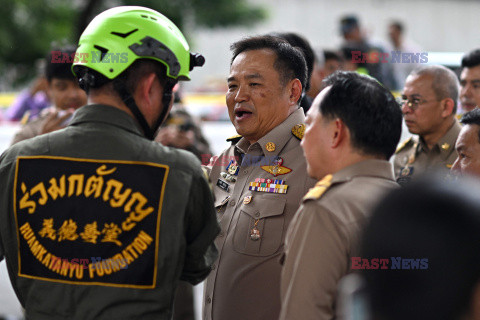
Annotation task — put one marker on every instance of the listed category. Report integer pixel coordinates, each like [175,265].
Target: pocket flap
[263,207]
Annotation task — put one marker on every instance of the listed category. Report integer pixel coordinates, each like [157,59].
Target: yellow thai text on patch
[111,192]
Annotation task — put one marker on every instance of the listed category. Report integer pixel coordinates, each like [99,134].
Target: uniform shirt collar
[279,136]
[106,115]
[368,168]
[445,144]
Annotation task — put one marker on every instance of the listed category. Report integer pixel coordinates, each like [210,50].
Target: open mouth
[241,114]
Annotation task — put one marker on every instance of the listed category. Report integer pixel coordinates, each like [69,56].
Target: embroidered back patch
[89,222]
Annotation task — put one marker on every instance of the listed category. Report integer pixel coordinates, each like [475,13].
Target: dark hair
[59,64]
[298,41]
[290,62]
[444,83]
[471,59]
[348,23]
[398,25]
[368,109]
[332,55]
[429,219]
[472,117]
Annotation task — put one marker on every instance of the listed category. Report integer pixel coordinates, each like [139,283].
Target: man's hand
[55,121]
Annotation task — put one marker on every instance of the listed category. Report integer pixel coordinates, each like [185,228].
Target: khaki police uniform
[100,223]
[254,214]
[413,157]
[324,235]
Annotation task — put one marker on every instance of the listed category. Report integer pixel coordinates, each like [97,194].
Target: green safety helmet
[119,36]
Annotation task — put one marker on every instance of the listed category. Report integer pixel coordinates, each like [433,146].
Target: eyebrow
[249,76]
[415,95]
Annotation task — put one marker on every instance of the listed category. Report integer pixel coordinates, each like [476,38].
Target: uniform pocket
[268,210]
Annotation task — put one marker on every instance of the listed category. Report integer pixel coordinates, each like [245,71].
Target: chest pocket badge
[259,226]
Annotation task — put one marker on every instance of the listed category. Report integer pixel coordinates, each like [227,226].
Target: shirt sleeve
[316,259]
[202,229]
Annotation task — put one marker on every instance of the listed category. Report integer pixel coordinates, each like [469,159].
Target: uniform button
[245,171]
[213,267]
[257,214]
[221,234]
[209,300]
[232,203]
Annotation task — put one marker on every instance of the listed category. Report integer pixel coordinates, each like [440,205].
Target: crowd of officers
[274,222]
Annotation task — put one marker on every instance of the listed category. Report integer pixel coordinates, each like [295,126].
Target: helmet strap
[166,100]
[129,101]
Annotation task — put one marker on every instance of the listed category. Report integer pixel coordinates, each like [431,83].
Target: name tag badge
[223,185]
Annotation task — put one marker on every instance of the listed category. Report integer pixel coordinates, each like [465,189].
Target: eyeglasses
[414,103]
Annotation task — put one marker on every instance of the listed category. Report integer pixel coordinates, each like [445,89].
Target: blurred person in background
[302,43]
[355,39]
[470,81]
[428,235]
[398,41]
[181,130]
[347,151]
[429,106]
[326,63]
[65,95]
[468,145]
[333,62]
[259,180]
[30,102]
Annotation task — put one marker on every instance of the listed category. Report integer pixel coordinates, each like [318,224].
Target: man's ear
[145,88]
[295,88]
[339,132]
[447,107]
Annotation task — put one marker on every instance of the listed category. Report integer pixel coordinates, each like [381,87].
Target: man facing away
[98,221]
[351,132]
[259,180]
[429,105]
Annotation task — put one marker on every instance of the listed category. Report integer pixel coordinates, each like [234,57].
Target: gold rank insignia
[298,130]
[270,146]
[319,189]
[277,168]
[445,146]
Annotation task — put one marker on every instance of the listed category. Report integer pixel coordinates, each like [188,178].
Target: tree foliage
[30,28]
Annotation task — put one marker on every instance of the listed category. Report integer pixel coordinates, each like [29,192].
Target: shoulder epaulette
[235,138]
[298,131]
[403,144]
[319,189]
